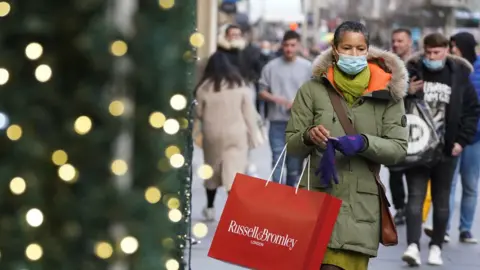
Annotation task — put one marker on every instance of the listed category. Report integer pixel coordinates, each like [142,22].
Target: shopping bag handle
[306,167]
[284,155]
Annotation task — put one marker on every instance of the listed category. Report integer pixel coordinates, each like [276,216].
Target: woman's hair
[218,70]
[350,26]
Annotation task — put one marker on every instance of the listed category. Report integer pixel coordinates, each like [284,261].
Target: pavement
[456,256]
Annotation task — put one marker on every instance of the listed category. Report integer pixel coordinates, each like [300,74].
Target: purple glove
[349,145]
[326,168]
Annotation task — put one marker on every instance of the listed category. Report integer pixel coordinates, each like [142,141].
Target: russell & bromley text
[260,236]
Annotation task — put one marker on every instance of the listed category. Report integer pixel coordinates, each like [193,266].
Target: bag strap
[341,113]
[349,129]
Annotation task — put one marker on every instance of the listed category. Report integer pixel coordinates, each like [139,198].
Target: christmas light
[157,119]
[166,4]
[175,215]
[59,157]
[119,48]
[4,9]
[200,230]
[172,150]
[171,126]
[43,73]
[153,195]
[119,167]
[34,252]
[14,132]
[116,108]
[129,245]
[197,40]
[177,161]
[33,51]
[83,125]
[4,121]
[178,102]
[205,172]
[67,173]
[172,265]
[103,250]
[4,76]
[34,217]
[173,203]
[18,185]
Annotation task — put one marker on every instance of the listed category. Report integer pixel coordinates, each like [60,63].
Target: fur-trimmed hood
[416,57]
[386,60]
[223,43]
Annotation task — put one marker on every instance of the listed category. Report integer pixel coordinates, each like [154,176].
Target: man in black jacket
[242,54]
[442,81]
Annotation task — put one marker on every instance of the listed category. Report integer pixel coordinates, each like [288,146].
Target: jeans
[397,189]
[441,182]
[277,143]
[468,169]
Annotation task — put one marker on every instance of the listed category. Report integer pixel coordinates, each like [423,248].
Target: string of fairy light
[83,125]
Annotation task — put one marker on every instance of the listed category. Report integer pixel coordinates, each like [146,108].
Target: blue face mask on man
[352,65]
[433,64]
[266,51]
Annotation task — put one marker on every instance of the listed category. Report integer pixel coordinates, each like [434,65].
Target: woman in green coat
[371,84]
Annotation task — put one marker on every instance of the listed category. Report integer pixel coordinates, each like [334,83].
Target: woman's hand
[319,135]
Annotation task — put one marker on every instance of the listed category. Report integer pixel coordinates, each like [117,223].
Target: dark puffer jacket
[463,110]
[466,43]
[246,57]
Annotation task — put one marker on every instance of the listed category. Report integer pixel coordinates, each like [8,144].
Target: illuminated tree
[61,118]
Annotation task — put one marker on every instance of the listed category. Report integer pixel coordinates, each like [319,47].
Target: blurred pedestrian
[402,43]
[242,55]
[442,81]
[402,47]
[468,168]
[281,78]
[371,84]
[268,54]
[245,56]
[229,125]
[231,44]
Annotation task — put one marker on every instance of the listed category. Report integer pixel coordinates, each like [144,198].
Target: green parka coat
[379,116]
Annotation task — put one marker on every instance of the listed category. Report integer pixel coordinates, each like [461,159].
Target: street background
[456,255]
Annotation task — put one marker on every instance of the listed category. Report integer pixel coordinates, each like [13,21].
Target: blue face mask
[266,51]
[433,64]
[352,65]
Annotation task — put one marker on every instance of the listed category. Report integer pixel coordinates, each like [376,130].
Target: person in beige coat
[229,125]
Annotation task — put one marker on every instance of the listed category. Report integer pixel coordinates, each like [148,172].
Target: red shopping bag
[273,226]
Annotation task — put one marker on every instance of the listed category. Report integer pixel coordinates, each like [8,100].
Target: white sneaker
[446,239]
[209,214]
[435,255]
[412,256]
